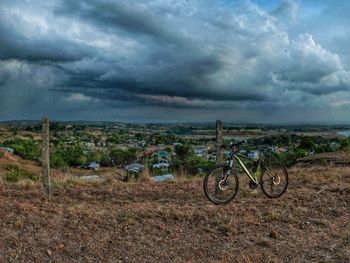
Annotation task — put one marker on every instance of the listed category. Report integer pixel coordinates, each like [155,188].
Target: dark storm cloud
[54,51]
[187,66]
[186,80]
[96,56]
[129,16]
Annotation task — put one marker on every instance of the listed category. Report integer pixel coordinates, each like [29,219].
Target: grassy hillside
[173,222]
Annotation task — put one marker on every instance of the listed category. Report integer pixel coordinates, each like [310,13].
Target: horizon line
[304,123]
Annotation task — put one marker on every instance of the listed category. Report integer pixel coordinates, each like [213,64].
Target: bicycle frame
[236,157]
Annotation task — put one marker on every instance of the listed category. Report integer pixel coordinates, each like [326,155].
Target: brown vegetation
[174,222]
[332,158]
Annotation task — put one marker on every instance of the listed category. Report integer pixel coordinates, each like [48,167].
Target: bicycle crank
[223,185]
[276,180]
[252,185]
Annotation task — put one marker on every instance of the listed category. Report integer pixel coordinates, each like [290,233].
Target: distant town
[163,149]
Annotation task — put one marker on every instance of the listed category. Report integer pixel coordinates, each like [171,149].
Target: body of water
[344,133]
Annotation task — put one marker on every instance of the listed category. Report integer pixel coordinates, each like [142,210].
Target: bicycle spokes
[220,185]
[274,180]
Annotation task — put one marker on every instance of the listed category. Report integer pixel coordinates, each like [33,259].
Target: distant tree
[114,139]
[195,165]
[344,143]
[58,161]
[55,127]
[119,156]
[27,149]
[105,160]
[183,151]
[306,142]
[68,156]
[139,136]
[101,157]
[321,148]
[168,149]
[290,158]
[75,155]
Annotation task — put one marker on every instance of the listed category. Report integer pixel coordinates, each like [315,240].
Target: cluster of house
[90,145]
[206,152]
[162,154]
[134,168]
[254,154]
[209,152]
[87,143]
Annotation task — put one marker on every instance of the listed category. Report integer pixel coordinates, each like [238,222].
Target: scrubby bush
[57,160]
[27,149]
[101,157]
[114,139]
[195,165]
[15,174]
[344,143]
[306,142]
[290,158]
[119,156]
[183,151]
[321,148]
[68,156]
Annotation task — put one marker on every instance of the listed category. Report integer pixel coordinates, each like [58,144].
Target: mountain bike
[221,184]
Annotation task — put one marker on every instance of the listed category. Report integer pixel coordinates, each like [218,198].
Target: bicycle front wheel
[274,180]
[217,189]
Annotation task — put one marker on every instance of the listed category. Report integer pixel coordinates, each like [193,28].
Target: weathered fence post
[219,142]
[45,147]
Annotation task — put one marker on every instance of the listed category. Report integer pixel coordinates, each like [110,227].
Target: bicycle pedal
[252,185]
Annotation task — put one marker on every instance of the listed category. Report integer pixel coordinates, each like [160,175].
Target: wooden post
[45,147]
[219,142]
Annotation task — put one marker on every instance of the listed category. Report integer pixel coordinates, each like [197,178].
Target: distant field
[173,222]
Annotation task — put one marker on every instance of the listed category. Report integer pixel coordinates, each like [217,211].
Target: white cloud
[78,97]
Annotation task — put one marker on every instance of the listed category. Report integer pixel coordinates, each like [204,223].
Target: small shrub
[27,149]
[145,175]
[15,174]
[272,215]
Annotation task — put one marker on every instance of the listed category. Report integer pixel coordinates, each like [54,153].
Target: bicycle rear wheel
[216,189]
[274,180]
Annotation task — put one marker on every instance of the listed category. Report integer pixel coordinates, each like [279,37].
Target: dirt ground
[174,222]
[327,158]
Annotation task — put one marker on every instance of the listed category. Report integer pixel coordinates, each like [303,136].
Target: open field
[173,222]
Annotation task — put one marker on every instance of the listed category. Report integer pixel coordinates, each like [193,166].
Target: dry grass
[145,175]
[144,221]
[173,222]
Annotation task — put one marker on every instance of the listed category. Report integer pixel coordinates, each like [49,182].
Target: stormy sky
[175,60]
